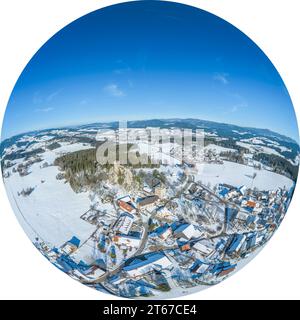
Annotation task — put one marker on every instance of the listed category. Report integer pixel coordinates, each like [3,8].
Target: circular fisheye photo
[149,149]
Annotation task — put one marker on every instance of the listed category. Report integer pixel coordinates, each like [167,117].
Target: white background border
[26,25]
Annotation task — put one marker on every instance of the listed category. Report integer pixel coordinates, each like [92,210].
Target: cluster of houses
[204,260]
[63,258]
[176,251]
[255,209]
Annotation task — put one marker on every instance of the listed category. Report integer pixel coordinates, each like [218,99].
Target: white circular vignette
[23,31]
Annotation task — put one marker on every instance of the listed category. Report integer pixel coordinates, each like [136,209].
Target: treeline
[83,160]
[26,155]
[278,164]
[74,139]
[81,168]
[233,156]
[53,146]
[231,144]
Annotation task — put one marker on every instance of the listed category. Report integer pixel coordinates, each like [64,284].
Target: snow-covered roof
[187,230]
[129,241]
[124,223]
[75,241]
[204,248]
[139,266]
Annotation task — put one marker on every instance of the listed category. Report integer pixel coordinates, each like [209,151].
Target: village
[145,230]
[155,239]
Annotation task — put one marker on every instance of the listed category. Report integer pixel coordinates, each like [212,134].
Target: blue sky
[149,59]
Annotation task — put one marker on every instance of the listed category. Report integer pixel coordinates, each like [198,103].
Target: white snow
[240,132]
[238,174]
[52,211]
[253,140]
[218,149]
[258,148]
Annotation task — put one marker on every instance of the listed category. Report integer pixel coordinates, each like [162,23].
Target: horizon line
[147,119]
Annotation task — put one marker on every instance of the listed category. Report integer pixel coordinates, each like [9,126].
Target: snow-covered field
[53,210]
[237,174]
[218,149]
[254,148]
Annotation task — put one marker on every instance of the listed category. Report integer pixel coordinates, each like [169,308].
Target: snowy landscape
[151,229]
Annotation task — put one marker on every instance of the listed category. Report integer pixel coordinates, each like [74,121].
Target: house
[146,201]
[235,244]
[251,219]
[149,262]
[250,204]
[126,206]
[67,264]
[199,267]
[164,232]
[125,203]
[185,231]
[225,272]
[232,194]
[185,247]
[70,246]
[192,188]
[230,214]
[242,190]
[251,241]
[124,223]
[93,273]
[205,248]
[242,216]
[127,241]
[100,263]
[223,269]
[223,192]
[260,239]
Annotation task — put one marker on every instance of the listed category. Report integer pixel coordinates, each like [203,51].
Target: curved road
[143,241]
[146,230]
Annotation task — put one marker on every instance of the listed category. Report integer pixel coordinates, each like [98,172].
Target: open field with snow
[53,210]
[218,149]
[237,175]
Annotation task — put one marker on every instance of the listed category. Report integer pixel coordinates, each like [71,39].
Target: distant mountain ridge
[221,129]
[193,124]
